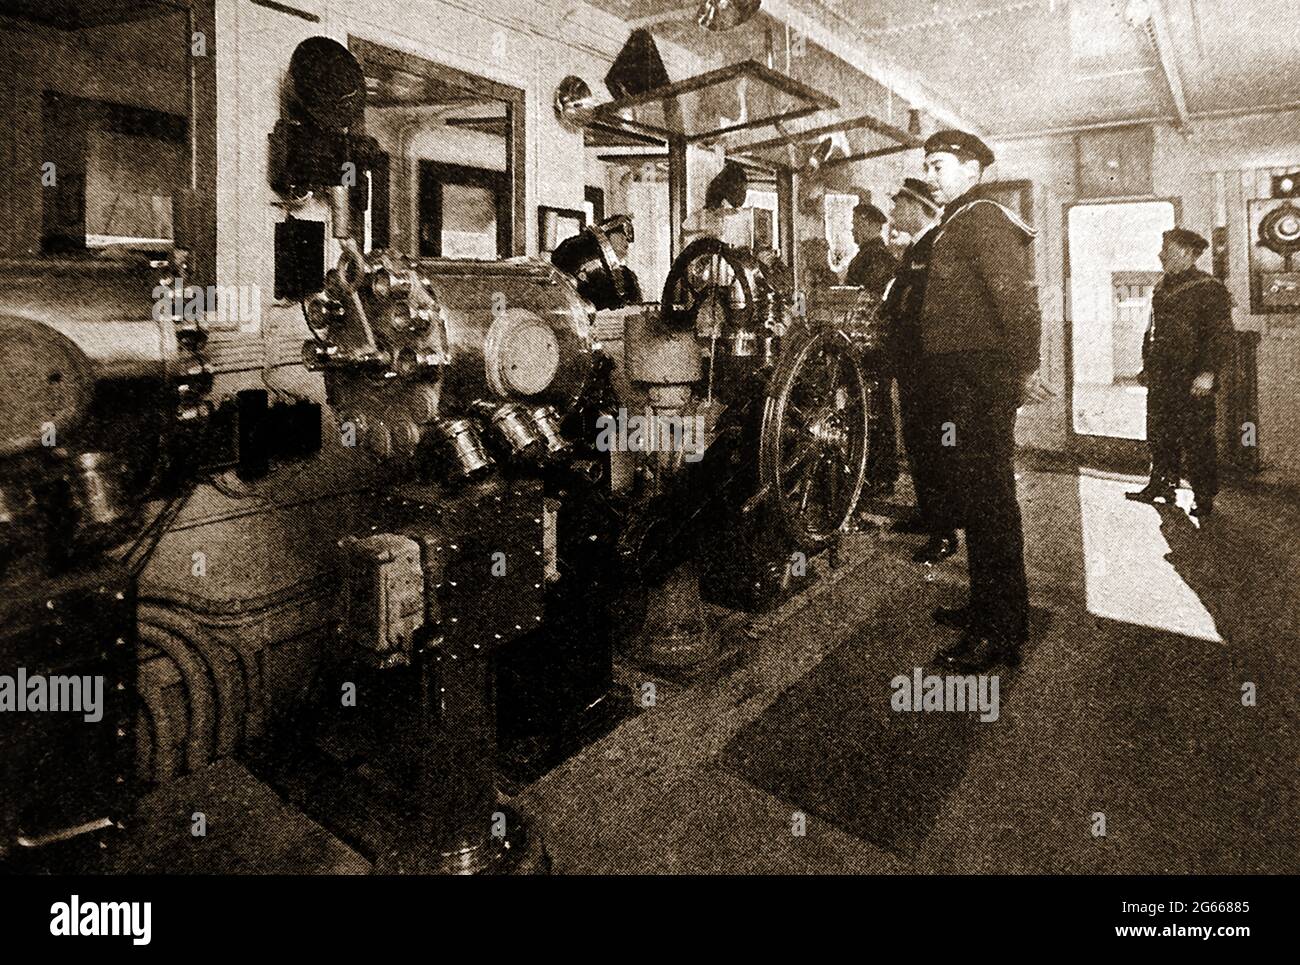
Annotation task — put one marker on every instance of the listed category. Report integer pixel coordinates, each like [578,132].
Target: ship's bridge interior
[443,437]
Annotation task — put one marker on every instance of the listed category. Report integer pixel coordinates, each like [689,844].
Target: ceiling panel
[1039,64]
[1023,65]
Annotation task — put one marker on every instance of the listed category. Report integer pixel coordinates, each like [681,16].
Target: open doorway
[1112,266]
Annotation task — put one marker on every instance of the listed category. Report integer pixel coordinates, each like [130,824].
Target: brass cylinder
[518,429]
[99,490]
[465,446]
[547,421]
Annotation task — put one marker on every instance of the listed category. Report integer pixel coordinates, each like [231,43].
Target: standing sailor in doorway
[980,332]
[1186,346]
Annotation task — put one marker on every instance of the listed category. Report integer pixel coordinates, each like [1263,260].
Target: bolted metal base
[516,851]
[676,634]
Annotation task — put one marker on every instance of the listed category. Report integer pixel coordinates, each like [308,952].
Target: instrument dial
[527,356]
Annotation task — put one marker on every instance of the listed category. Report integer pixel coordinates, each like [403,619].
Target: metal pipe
[677,195]
[1159,27]
[230,713]
[201,704]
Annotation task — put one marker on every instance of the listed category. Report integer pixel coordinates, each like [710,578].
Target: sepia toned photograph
[650,437]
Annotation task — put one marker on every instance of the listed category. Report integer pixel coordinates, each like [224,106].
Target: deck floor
[1129,705]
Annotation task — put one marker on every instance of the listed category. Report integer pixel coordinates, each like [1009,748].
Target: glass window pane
[469,222]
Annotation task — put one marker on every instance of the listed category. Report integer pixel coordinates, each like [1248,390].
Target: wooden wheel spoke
[835,366]
[801,455]
[796,479]
[822,414]
[807,490]
[823,376]
[833,495]
[817,449]
[807,444]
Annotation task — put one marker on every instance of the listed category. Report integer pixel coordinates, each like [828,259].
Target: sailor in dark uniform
[1187,345]
[872,268]
[980,331]
[596,259]
[874,264]
[916,212]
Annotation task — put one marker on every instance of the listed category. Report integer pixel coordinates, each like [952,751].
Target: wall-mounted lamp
[574,102]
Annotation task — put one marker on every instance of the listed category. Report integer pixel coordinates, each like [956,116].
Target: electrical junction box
[383,599]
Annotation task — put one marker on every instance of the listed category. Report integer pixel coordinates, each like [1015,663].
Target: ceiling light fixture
[829,147]
[726,14]
[1138,13]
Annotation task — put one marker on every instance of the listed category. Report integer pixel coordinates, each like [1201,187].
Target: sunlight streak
[1128,577]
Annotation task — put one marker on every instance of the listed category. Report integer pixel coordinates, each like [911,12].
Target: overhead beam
[867,121]
[663,17]
[1168,59]
[1265,110]
[625,156]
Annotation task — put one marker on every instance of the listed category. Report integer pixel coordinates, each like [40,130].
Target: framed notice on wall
[1016,195]
[555,225]
[1114,163]
[1274,255]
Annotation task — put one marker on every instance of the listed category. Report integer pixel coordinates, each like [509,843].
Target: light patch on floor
[1128,577]
[1114,411]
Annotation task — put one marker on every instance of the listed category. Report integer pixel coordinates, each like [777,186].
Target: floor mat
[833,746]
